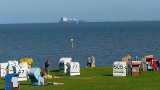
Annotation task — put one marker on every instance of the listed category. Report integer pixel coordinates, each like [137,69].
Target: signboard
[3,67]
[23,68]
[74,68]
[12,67]
[119,68]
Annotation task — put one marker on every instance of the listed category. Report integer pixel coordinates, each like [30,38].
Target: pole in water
[72,42]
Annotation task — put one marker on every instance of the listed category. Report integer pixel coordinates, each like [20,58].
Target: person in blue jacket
[8,78]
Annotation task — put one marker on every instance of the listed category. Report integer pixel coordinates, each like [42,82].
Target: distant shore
[130,21]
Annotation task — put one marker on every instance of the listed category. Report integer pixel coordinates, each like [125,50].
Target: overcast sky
[31,11]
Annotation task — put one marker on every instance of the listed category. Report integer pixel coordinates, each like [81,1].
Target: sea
[106,41]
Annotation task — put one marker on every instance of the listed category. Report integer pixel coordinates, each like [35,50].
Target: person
[11,80]
[46,66]
[89,62]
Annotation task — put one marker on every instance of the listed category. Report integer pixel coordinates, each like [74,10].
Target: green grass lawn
[99,78]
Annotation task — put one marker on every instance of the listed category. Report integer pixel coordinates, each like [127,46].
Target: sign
[3,67]
[12,67]
[119,68]
[23,68]
[74,68]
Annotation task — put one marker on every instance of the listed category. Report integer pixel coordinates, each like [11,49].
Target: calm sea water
[108,41]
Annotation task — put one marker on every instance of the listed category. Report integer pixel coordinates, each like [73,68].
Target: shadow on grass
[2,89]
[24,84]
[54,70]
[108,75]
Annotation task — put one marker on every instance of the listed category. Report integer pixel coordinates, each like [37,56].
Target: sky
[44,11]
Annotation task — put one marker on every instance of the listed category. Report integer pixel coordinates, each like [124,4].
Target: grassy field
[98,79]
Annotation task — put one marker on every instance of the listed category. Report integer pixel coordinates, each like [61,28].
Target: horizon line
[85,22]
